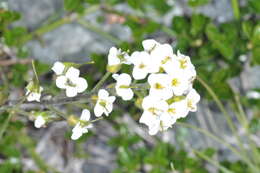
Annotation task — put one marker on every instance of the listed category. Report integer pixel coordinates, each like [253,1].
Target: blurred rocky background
[73,42]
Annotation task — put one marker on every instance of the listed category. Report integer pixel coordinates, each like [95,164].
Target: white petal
[153,130]
[149,44]
[71,91]
[98,110]
[147,118]
[108,109]
[124,79]
[115,76]
[138,73]
[58,68]
[61,82]
[85,115]
[102,94]
[126,94]
[39,122]
[77,132]
[81,84]
[72,73]
[112,56]
[111,99]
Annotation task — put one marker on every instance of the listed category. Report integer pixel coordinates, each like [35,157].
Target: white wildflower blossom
[58,68]
[162,55]
[34,94]
[192,99]
[117,56]
[39,121]
[142,65]
[149,45]
[253,95]
[185,65]
[179,82]
[104,103]
[178,109]
[154,115]
[71,82]
[123,82]
[82,126]
[160,86]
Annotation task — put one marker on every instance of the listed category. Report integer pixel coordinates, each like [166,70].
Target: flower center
[189,104]
[166,59]
[172,111]
[183,63]
[158,86]
[103,103]
[175,82]
[124,86]
[141,66]
[154,111]
[70,83]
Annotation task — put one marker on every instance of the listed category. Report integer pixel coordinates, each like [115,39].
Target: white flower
[179,83]
[253,95]
[123,89]
[149,45]
[33,94]
[71,82]
[154,115]
[82,126]
[160,86]
[104,103]
[58,68]
[116,57]
[142,64]
[178,109]
[162,55]
[184,65]
[192,99]
[39,121]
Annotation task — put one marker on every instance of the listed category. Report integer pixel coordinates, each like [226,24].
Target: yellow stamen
[141,66]
[183,63]
[175,82]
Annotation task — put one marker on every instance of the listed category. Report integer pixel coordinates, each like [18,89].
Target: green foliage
[13,36]
[196,3]
[74,5]
[7,17]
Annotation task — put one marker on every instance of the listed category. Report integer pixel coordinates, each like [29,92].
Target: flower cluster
[169,76]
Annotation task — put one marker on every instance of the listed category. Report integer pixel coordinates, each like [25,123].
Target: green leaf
[12,37]
[74,5]
[220,42]
[180,25]
[254,5]
[198,22]
[247,27]
[196,3]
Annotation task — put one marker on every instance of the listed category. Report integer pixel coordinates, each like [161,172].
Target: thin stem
[59,113]
[35,72]
[241,116]
[101,82]
[221,141]
[223,110]
[4,126]
[97,30]
[213,162]
[235,6]
[97,119]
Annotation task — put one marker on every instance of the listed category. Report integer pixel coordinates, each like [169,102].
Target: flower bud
[113,68]
[72,120]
